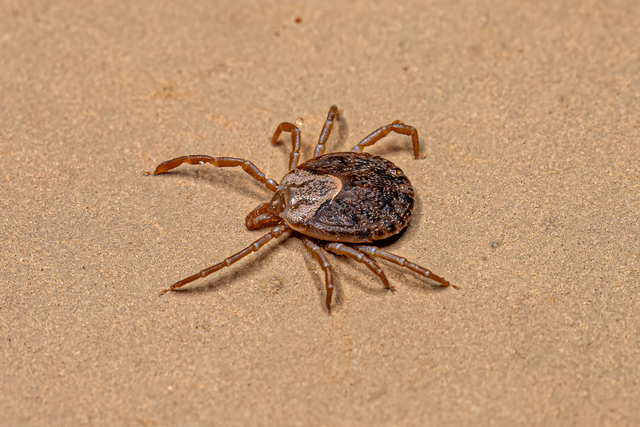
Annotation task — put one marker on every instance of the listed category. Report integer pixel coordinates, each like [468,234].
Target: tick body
[335,202]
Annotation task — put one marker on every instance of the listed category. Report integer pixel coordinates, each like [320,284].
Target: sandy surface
[527,199]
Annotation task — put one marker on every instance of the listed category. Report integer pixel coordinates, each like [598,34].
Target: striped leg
[380,133]
[220,162]
[255,246]
[317,253]
[326,130]
[375,251]
[295,142]
[348,251]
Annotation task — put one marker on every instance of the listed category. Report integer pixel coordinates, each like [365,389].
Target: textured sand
[527,199]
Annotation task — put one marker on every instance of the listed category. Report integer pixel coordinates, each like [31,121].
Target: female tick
[336,202]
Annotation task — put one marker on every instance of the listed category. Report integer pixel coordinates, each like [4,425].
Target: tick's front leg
[220,162]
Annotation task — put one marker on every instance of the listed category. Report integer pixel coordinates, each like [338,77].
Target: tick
[336,202]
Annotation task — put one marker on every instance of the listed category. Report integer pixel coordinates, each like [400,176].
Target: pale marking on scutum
[304,193]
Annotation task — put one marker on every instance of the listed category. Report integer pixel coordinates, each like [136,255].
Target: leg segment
[295,142]
[375,251]
[380,133]
[260,218]
[317,253]
[220,162]
[341,249]
[275,233]
[326,130]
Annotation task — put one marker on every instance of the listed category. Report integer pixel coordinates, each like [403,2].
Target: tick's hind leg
[326,130]
[375,251]
[341,249]
[380,133]
[275,233]
[220,162]
[294,156]
[317,253]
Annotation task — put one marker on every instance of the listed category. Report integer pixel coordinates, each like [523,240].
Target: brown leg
[275,233]
[295,142]
[375,251]
[221,162]
[397,127]
[260,218]
[317,253]
[348,251]
[326,130]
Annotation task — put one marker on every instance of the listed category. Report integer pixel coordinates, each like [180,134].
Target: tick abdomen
[373,199]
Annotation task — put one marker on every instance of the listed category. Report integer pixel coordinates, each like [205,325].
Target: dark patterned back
[375,201]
